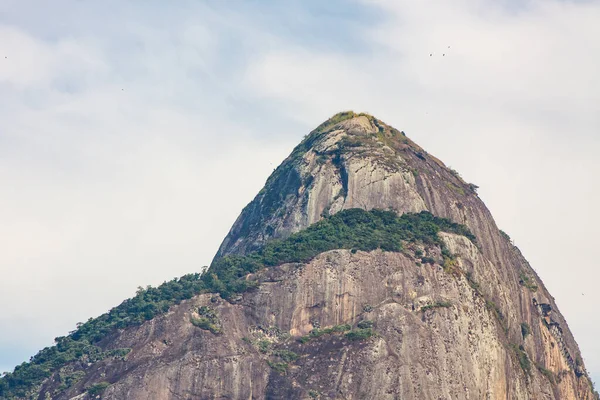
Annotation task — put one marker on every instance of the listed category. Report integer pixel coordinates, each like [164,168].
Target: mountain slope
[359,305]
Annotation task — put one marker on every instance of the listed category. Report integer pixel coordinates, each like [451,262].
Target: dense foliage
[98,388]
[359,334]
[209,321]
[351,229]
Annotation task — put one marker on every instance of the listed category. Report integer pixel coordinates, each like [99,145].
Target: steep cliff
[448,313]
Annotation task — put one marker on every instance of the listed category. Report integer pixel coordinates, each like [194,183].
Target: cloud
[117,172]
[29,63]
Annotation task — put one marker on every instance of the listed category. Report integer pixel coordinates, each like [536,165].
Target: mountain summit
[364,269]
[349,161]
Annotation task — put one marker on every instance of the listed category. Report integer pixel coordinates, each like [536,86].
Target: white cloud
[113,185]
[28,63]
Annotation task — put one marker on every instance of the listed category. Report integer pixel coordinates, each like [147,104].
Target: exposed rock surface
[482,326]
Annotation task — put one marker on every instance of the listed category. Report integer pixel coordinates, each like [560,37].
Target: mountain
[364,269]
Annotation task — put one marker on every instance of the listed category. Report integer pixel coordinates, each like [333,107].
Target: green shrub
[205,324]
[336,119]
[474,285]
[365,324]
[207,312]
[280,367]
[359,334]
[528,282]
[447,254]
[119,352]
[547,373]
[437,304]
[286,355]
[98,388]
[264,346]
[473,188]
[209,320]
[315,333]
[70,379]
[456,189]
[341,328]
[318,332]
[454,172]
[493,307]
[523,358]
[505,235]
[525,329]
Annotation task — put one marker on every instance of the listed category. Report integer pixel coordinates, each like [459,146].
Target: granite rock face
[479,326]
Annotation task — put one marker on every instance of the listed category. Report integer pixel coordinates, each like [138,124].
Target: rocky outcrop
[477,325]
[437,335]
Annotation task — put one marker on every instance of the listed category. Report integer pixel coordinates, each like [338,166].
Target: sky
[132,133]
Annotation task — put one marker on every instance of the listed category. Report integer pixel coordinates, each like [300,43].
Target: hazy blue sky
[132,133]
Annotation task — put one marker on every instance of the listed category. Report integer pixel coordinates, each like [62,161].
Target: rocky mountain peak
[363,128]
[349,161]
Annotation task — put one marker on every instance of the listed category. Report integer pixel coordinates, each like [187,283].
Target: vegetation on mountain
[98,388]
[438,304]
[336,119]
[208,320]
[525,330]
[528,282]
[354,229]
[318,332]
[523,358]
[359,334]
[349,229]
